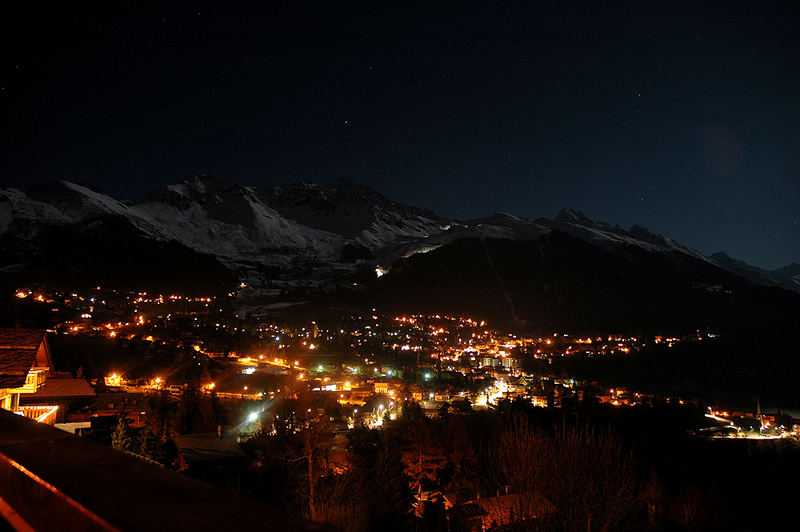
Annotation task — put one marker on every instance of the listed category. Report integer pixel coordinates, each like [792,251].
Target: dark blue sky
[684,118]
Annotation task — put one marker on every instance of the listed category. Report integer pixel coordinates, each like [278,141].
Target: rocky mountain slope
[301,231]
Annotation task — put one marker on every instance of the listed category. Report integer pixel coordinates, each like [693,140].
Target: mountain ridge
[306,225]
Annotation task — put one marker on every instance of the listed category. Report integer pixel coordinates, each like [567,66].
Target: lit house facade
[25,365]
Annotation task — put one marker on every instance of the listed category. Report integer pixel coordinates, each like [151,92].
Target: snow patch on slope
[607,236]
[18,207]
[498,226]
[219,217]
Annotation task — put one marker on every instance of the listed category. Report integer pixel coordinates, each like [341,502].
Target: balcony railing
[42,413]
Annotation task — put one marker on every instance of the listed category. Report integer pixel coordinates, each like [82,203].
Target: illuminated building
[28,384]
[25,365]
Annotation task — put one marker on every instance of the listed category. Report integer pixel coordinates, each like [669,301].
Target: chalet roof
[14,366]
[63,388]
[18,348]
[16,361]
[122,401]
[21,338]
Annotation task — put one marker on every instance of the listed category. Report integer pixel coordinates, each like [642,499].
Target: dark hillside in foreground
[561,283]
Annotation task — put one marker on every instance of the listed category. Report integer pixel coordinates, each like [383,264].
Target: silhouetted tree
[189,409]
[423,454]
[585,474]
[123,438]
[381,483]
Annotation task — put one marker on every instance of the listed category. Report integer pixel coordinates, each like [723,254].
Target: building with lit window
[28,384]
[25,365]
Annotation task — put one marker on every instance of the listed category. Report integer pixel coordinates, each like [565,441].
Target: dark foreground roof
[126,492]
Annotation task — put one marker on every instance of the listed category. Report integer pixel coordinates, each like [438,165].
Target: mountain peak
[349,190]
[787,277]
[571,216]
[77,185]
[204,183]
[721,255]
[352,210]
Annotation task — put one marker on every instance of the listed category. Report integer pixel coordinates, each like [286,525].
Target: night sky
[682,117]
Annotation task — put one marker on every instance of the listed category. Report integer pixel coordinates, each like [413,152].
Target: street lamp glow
[252,417]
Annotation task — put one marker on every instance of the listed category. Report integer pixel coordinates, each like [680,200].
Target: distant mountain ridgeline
[568,272]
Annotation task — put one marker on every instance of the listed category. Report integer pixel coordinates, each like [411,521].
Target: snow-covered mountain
[787,277]
[616,239]
[610,237]
[304,227]
[209,215]
[286,226]
[353,211]
[219,217]
[498,226]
